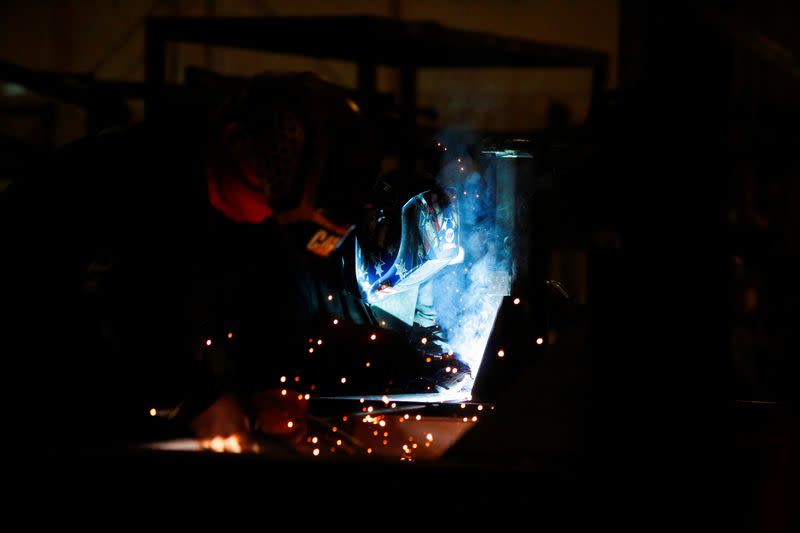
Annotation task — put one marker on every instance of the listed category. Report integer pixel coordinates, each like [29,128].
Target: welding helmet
[400,248]
[308,142]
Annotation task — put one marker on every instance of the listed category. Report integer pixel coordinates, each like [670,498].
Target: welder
[181,262]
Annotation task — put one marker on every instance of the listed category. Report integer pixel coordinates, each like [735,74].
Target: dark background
[672,215]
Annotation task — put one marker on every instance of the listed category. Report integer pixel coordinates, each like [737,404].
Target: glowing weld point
[385,399]
[406,417]
[307,396]
[463,405]
[454,370]
[297,379]
[501,353]
[299,396]
[539,340]
[153,411]
[339,442]
[414,445]
[283,392]
[474,418]
[344,380]
[466,419]
[314,440]
[369,450]
[334,429]
[311,350]
[283,379]
[208,342]
[335,321]
[369,409]
[394,405]
[316,451]
[447,369]
[382,423]
[230,335]
[423,340]
[367,364]
[419,417]
[516,301]
[427,359]
[429,436]
[480,408]
[373,337]
[330,297]
[319,341]
[290,424]
[383,322]
[361,400]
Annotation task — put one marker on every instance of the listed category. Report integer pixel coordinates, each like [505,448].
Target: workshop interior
[575,260]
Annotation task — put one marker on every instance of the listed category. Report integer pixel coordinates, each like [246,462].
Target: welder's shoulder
[113,150]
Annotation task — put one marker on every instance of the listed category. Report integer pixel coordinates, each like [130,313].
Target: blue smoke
[467,296]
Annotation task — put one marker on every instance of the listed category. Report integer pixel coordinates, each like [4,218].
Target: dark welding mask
[312,150]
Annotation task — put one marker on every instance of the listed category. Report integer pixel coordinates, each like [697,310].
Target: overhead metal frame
[369,42]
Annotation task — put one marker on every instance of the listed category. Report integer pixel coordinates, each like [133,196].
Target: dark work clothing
[121,271]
